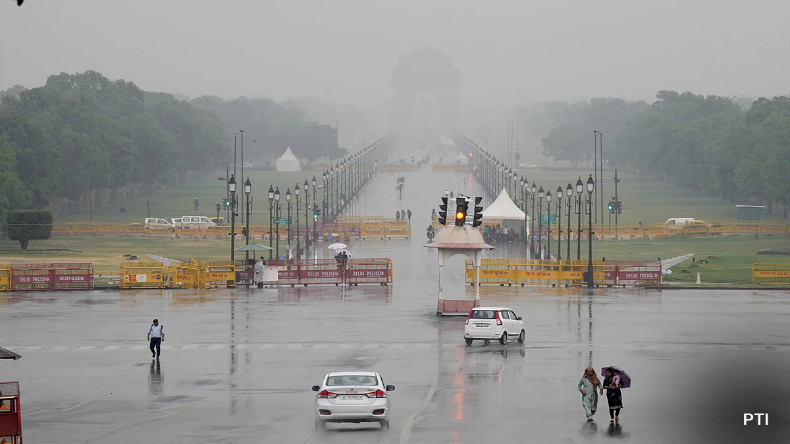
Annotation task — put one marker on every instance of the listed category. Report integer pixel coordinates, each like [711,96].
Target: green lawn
[644,200]
[176,201]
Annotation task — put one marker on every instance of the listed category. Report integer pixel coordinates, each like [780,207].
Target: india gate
[425,94]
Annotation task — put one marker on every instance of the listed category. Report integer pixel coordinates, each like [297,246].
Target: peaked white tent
[288,162]
[503,208]
[461,158]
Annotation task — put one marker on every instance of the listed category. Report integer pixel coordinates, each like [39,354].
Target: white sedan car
[487,323]
[352,397]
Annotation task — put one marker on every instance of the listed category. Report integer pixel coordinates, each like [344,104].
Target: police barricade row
[51,276]
[398,167]
[5,277]
[385,233]
[565,273]
[365,271]
[221,274]
[771,274]
[143,275]
[464,167]
[191,274]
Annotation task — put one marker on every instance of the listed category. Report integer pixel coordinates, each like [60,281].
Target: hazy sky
[507,51]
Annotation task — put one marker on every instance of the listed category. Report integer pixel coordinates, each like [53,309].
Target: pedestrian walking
[408,213]
[589,386]
[397,216]
[614,396]
[156,335]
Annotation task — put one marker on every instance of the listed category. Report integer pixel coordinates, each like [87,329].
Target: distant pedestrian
[614,396]
[258,273]
[397,216]
[408,212]
[589,386]
[156,335]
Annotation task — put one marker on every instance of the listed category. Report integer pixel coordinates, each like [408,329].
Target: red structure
[10,416]
[54,276]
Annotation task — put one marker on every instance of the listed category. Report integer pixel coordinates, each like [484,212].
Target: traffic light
[316,212]
[461,208]
[226,202]
[443,211]
[219,207]
[612,206]
[477,219]
[619,207]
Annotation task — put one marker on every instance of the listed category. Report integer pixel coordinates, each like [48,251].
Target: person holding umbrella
[588,386]
[615,380]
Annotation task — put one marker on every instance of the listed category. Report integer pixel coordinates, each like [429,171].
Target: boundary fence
[568,273]
[771,273]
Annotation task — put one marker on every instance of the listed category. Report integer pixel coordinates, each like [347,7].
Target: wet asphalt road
[237,365]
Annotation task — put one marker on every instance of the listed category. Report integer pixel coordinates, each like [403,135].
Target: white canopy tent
[288,162]
[461,158]
[504,209]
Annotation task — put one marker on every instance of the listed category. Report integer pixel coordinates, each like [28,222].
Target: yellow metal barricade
[534,272]
[221,274]
[771,274]
[5,277]
[191,274]
[143,275]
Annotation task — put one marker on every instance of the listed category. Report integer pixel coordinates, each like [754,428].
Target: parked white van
[194,222]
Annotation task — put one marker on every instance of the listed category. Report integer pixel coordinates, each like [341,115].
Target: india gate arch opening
[425,95]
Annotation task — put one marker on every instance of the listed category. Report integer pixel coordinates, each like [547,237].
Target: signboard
[544,219]
[282,221]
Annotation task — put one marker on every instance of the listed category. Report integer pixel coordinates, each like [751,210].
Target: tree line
[84,139]
[716,145]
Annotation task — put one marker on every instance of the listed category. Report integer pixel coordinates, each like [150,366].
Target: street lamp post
[569,195]
[559,223]
[232,189]
[277,221]
[298,245]
[323,204]
[247,191]
[590,189]
[288,220]
[579,189]
[548,233]
[271,219]
[306,219]
[534,190]
[541,195]
[315,219]
[524,185]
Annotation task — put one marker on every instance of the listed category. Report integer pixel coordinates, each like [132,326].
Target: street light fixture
[590,189]
[579,211]
[232,189]
[534,190]
[315,219]
[559,223]
[548,233]
[541,194]
[247,191]
[569,194]
[297,191]
[277,221]
[271,219]
[288,220]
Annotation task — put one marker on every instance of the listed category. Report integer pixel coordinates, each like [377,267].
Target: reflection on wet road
[238,365]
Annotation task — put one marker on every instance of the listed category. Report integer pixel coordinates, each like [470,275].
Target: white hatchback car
[352,397]
[487,323]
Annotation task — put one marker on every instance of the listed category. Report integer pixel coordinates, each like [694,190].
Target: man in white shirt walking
[156,334]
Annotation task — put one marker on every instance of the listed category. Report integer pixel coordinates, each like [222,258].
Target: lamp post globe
[247,187]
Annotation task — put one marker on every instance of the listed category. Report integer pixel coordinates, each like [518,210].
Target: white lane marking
[190,347]
[381,199]
[406,432]
[216,347]
[112,347]
[87,347]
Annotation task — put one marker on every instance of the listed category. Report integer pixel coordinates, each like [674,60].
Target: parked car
[193,222]
[352,397]
[527,166]
[155,222]
[487,323]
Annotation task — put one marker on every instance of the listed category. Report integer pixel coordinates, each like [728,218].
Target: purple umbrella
[625,380]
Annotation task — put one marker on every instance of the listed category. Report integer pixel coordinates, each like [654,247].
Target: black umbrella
[8,354]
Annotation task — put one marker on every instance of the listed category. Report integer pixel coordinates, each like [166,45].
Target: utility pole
[243,209]
[600,133]
[616,211]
